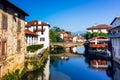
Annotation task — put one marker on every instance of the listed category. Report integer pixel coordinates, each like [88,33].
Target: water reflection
[34,75]
[78,49]
[76,69]
[40,74]
[114,71]
[98,63]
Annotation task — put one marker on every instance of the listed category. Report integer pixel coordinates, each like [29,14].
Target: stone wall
[13,59]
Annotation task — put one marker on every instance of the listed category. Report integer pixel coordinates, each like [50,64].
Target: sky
[71,15]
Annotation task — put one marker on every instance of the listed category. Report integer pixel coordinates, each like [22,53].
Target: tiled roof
[35,23]
[28,32]
[101,26]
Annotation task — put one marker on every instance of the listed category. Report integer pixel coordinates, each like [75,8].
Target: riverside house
[41,29]
[99,28]
[114,35]
[31,37]
[12,40]
[66,36]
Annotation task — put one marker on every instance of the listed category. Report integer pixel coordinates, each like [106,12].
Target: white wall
[44,35]
[116,23]
[116,46]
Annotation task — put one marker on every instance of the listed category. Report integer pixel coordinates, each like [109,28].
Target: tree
[89,35]
[52,36]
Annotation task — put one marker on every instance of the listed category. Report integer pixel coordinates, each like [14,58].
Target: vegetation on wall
[89,35]
[36,61]
[33,48]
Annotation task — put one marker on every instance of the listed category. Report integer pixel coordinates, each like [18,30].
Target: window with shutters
[4,21]
[4,47]
[18,45]
[19,26]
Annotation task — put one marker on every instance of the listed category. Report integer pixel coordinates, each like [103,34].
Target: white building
[114,35]
[41,29]
[31,37]
[99,28]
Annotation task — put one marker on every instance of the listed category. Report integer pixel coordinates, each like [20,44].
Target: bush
[12,76]
[33,48]
[58,49]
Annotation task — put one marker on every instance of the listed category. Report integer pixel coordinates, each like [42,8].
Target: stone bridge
[66,45]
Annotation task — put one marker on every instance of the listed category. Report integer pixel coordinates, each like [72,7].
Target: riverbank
[67,54]
[30,64]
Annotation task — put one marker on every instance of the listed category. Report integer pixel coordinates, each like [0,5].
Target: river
[77,68]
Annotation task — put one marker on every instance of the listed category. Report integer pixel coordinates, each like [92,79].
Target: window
[19,26]
[18,45]
[4,47]
[42,39]
[4,21]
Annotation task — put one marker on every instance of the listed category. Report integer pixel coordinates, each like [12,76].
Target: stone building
[12,37]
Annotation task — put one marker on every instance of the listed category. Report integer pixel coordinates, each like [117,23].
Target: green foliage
[89,35]
[33,48]
[58,50]
[54,37]
[57,29]
[12,76]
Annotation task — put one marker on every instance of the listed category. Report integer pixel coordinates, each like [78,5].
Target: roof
[28,32]
[35,23]
[101,26]
[118,17]
[7,3]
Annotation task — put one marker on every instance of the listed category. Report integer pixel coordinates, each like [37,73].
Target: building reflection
[111,67]
[114,71]
[97,63]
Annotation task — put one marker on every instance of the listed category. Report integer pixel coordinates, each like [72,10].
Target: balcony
[35,30]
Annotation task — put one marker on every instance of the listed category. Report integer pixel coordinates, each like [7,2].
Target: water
[80,49]
[76,69]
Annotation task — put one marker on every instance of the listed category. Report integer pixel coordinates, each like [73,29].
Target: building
[41,29]
[31,37]
[12,40]
[99,28]
[114,35]
[66,36]
[78,39]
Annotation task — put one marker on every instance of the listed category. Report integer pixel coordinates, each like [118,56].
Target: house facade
[31,37]
[41,29]
[99,28]
[12,40]
[114,35]
[66,36]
